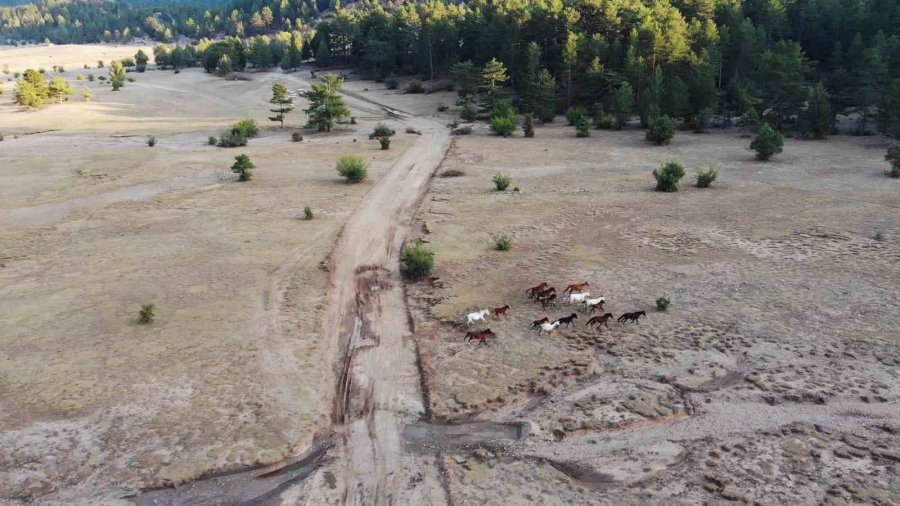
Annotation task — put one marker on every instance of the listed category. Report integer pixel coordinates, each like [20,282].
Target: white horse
[593,303]
[548,327]
[577,297]
[477,315]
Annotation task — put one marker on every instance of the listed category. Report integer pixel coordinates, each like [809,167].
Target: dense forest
[786,60]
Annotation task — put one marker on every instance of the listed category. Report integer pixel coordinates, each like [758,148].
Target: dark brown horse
[577,287]
[567,320]
[537,323]
[480,336]
[548,301]
[531,292]
[544,293]
[631,317]
[599,321]
[500,311]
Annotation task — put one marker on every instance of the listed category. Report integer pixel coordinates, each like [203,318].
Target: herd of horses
[546,295]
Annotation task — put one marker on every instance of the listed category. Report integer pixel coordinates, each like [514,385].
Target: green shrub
[662,303]
[706,176]
[668,176]
[661,130]
[147,314]
[416,261]
[503,242]
[768,142]
[232,140]
[452,173]
[468,111]
[503,120]
[385,143]
[308,213]
[296,137]
[391,81]
[583,127]
[352,168]
[501,181]
[212,140]
[243,167]
[415,86]
[750,119]
[245,127]
[528,125]
[893,156]
[573,114]
[151,141]
[381,130]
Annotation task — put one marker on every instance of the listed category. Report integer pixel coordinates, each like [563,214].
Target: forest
[787,62]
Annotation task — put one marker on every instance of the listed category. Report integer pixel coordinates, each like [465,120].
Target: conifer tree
[282,102]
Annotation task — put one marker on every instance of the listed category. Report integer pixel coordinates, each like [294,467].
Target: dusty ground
[73,57]
[93,224]
[779,348]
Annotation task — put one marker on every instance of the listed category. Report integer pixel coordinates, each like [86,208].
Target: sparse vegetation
[416,261]
[352,168]
[668,176]
[662,304]
[415,86]
[212,140]
[661,130]
[706,176]
[452,173]
[297,137]
[502,241]
[767,143]
[243,167]
[308,213]
[468,111]
[501,181]
[147,314]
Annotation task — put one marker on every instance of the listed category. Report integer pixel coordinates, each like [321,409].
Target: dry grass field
[73,57]
[773,377]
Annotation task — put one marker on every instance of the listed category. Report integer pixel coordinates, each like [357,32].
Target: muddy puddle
[429,436]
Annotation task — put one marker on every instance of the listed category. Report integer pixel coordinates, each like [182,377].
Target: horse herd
[546,295]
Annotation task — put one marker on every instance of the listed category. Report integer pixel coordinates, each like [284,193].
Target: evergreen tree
[466,79]
[282,101]
[492,78]
[243,167]
[889,110]
[768,142]
[117,74]
[815,122]
[546,97]
[140,60]
[623,105]
[58,89]
[326,107]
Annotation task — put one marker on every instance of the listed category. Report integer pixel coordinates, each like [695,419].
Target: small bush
[749,119]
[80,77]
[352,168]
[452,173]
[308,213]
[528,125]
[416,261]
[661,130]
[605,122]
[503,120]
[503,242]
[392,82]
[130,79]
[243,167]
[91,77]
[212,140]
[296,137]
[411,130]
[246,127]
[385,143]
[382,130]
[232,140]
[468,112]
[768,142]
[706,176]
[415,86]
[147,314]
[573,114]
[662,303]
[151,141]
[443,108]
[463,130]
[352,120]
[102,78]
[893,156]
[582,127]
[668,176]
[501,181]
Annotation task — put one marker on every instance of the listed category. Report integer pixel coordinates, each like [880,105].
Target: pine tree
[326,107]
[243,167]
[546,97]
[492,77]
[140,60]
[117,74]
[59,89]
[889,110]
[815,121]
[282,101]
[623,105]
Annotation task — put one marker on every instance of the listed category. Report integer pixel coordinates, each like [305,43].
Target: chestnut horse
[537,323]
[531,292]
[544,293]
[481,336]
[567,320]
[633,317]
[577,287]
[599,321]
[500,311]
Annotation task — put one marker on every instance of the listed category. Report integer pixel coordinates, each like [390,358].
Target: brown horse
[599,321]
[481,336]
[567,320]
[531,292]
[544,293]
[500,311]
[632,317]
[537,323]
[577,287]
[548,301]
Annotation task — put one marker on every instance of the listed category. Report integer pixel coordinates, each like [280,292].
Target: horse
[567,320]
[577,287]
[477,315]
[500,311]
[593,304]
[599,321]
[544,293]
[631,317]
[548,301]
[577,297]
[531,292]
[481,336]
[537,323]
[548,328]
